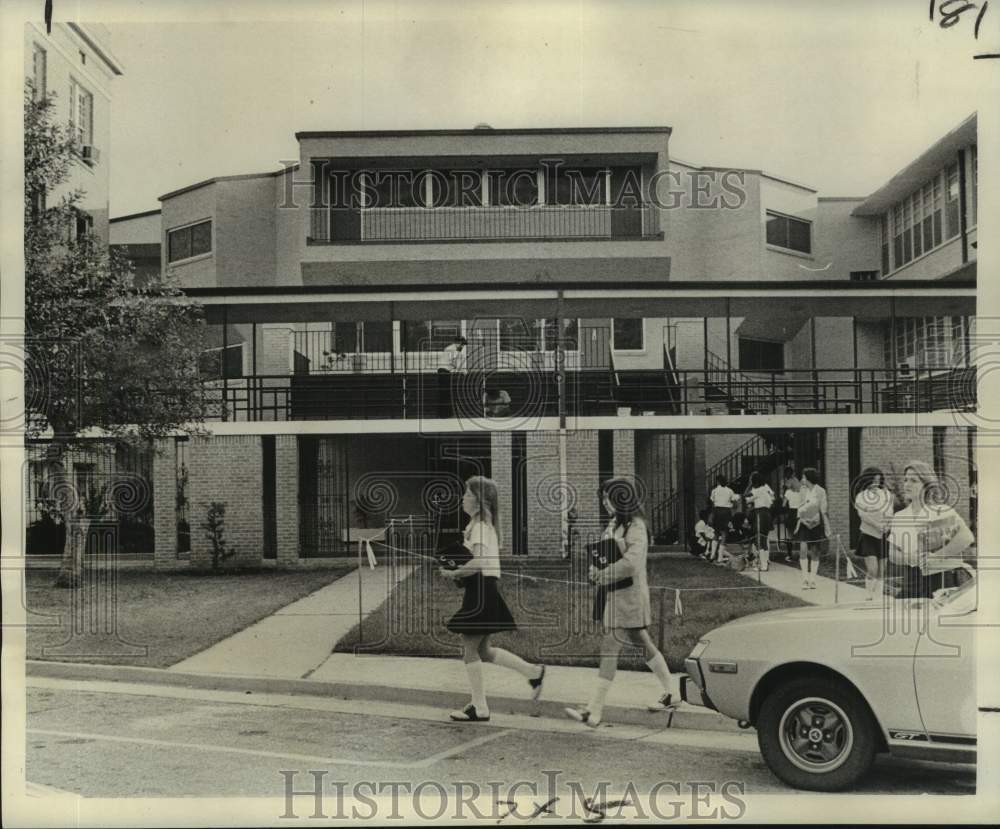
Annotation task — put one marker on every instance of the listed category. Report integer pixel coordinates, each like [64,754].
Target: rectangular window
[269,496]
[975,185]
[583,186]
[884,233]
[937,449]
[548,334]
[81,113]
[39,72]
[918,214]
[864,276]
[951,202]
[193,240]
[457,188]
[627,334]
[761,355]
[787,232]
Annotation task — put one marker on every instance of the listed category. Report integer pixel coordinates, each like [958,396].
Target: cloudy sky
[835,95]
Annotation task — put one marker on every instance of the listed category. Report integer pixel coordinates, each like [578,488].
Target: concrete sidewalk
[296,639]
[788,579]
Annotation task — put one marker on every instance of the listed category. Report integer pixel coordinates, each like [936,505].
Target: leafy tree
[102,354]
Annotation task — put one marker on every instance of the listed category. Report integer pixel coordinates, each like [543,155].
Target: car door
[944,671]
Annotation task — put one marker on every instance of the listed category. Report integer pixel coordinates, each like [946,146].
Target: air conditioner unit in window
[90,153]
[906,369]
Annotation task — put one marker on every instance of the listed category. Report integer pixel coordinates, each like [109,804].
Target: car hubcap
[816,735]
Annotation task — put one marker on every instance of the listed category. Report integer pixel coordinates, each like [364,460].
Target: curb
[687,718]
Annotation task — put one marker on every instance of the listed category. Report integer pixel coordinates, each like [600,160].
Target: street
[101,739]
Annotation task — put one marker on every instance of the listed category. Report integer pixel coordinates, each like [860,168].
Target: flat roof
[483,131]
[141,215]
[918,171]
[214,179]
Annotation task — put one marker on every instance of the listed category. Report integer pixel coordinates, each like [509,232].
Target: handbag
[602,554]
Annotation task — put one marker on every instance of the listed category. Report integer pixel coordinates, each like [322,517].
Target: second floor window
[627,335]
[761,355]
[788,232]
[39,70]
[192,240]
[81,113]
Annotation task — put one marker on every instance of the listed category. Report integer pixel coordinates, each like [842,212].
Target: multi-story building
[74,64]
[609,290]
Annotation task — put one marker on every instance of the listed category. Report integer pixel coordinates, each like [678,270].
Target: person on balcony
[622,603]
[452,362]
[497,401]
[927,537]
[722,499]
[812,527]
[484,611]
[874,505]
[760,498]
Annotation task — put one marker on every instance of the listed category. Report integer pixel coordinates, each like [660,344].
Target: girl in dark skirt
[483,611]
[873,503]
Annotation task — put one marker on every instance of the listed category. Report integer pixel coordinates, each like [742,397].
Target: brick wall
[286,456]
[227,469]
[624,453]
[165,503]
[956,468]
[582,473]
[501,470]
[890,449]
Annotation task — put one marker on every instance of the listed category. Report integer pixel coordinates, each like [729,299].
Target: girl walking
[484,611]
[873,503]
[761,498]
[813,527]
[622,602]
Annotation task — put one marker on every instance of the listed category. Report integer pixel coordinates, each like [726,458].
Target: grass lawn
[555,619]
[162,618]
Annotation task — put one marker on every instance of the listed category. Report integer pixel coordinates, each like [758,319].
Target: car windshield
[958,599]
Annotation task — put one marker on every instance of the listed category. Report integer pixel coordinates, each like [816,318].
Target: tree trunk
[68,503]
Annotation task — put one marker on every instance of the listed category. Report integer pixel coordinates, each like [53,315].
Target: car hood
[860,612]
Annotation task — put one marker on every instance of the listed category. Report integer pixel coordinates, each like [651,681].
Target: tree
[101,353]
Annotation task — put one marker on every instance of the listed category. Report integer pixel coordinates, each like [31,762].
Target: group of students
[804,514]
[622,604]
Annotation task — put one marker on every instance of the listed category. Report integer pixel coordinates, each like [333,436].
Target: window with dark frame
[761,355]
[39,73]
[186,242]
[864,276]
[627,334]
[788,232]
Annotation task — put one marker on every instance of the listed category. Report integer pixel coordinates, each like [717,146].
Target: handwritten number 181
[952,10]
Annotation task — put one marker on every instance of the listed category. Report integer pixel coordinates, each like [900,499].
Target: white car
[829,687]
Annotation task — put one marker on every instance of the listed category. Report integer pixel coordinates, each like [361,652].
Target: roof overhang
[872,301]
[920,170]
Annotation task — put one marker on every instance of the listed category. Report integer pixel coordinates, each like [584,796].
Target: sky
[838,96]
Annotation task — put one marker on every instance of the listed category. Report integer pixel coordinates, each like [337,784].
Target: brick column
[956,469]
[836,480]
[582,472]
[228,469]
[544,519]
[500,466]
[624,453]
[165,504]
[286,451]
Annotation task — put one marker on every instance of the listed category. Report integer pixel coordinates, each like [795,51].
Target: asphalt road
[112,740]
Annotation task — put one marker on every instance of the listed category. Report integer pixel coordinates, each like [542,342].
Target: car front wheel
[816,733]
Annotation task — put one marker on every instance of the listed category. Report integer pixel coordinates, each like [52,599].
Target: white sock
[475,672]
[804,564]
[765,557]
[513,662]
[596,704]
[658,665]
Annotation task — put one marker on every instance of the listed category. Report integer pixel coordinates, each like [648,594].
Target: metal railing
[405,224]
[589,392]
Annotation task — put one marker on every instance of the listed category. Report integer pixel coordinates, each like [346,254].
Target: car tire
[817,733]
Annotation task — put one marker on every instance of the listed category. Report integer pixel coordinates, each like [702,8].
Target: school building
[610,290]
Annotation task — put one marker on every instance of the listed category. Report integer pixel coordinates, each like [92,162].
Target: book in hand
[454,555]
[603,552]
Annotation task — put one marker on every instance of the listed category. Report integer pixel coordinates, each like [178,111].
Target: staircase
[761,453]
[651,390]
[739,392]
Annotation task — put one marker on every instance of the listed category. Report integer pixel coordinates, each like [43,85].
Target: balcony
[387,225]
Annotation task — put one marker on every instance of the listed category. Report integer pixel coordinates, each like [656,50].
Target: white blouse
[482,541]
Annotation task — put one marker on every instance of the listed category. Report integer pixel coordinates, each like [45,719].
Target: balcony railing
[449,224]
[588,393]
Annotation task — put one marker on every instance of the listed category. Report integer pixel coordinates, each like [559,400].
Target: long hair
[867,478]
[624,500]
[933,491]
[485,490]
[811,474]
